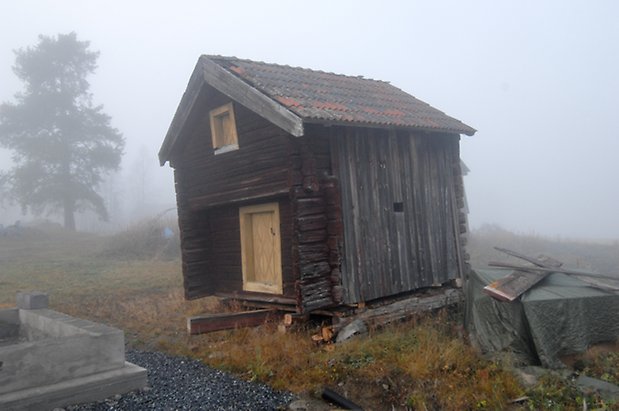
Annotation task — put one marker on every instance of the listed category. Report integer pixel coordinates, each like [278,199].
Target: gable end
[206,71]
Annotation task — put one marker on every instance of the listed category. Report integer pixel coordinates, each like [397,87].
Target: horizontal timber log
[225,321]
[312,286]
[312,258]
[244,195]
[298,192]
[315,270]
[403,309]
[311,305]
[310,206]
[312,236]
[317,248]
[312,222]
[258,297]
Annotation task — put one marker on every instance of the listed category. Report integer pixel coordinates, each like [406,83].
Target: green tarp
[561,315]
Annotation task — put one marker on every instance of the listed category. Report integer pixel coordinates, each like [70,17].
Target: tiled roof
[317,96]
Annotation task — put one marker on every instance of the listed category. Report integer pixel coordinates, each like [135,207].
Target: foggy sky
[538,80]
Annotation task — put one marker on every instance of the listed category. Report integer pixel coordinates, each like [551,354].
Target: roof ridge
[234,58]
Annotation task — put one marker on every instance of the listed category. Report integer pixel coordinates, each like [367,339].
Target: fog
[538,80]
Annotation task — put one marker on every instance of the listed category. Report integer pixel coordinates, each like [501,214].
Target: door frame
[247,248]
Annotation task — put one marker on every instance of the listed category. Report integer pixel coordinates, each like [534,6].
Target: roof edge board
[182,113]
[242,92]
[330,123]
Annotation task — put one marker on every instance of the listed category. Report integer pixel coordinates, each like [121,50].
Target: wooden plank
[389,266]
[250,97]
[348,211]
[542,261]
[225,321]
[432,131]
[518,282]
[411,279]
[575,273]
[513,285]
[589,279]
[400,249]
[257,297]
[455,223]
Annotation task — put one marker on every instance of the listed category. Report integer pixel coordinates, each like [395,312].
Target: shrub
[155,238]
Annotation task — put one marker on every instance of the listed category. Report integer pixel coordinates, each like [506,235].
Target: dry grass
[600,257]
[422,364]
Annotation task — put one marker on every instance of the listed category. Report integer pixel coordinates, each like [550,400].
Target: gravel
[180,383]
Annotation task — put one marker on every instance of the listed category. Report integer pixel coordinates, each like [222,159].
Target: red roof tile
[317,96]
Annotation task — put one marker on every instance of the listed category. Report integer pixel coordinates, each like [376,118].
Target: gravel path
[180,383]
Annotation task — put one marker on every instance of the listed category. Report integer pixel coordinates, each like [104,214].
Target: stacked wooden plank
[523,278]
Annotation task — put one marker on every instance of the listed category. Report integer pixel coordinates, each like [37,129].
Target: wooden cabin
[312,189]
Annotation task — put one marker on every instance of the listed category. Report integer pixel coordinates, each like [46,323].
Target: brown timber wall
[211,188]
[317,220]
[400,211]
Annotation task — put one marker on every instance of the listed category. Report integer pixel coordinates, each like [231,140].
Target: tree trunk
[69,201]
[69,214]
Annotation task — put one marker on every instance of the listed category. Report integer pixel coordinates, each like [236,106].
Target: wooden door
[261,248]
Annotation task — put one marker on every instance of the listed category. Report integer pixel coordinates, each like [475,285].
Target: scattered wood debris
[515,284]
[524,277]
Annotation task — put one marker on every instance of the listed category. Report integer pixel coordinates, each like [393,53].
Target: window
[223,129]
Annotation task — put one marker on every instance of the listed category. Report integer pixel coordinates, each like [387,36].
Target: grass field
[133,281]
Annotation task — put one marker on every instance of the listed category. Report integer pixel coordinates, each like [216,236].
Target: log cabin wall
[316,222]
[400,210]
[211,188]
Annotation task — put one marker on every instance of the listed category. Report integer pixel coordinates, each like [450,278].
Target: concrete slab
[89,388]
[49,359]
[58,349]
[9,326]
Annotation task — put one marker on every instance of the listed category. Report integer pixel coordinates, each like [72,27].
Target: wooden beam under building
[225,321]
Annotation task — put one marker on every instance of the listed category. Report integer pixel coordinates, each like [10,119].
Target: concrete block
[9,315]
[9,325]
[49,359]
[89,388]
[32,301]
[58,350]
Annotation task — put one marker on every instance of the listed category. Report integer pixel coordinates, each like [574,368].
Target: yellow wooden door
[261,248]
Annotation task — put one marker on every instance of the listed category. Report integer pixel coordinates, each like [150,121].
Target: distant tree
[62,144]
